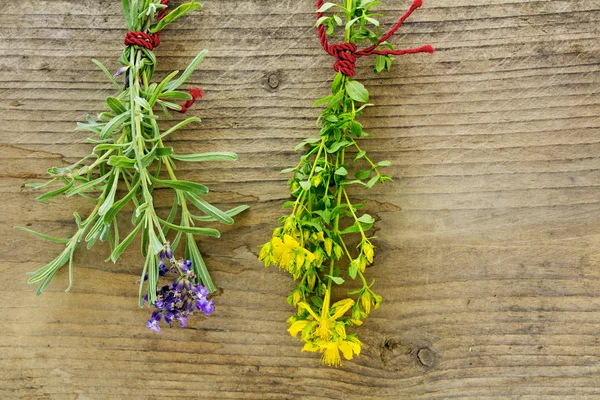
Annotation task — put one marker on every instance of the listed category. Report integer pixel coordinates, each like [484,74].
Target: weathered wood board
[488,237]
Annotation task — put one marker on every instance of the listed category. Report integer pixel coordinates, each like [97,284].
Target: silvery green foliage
[130,155]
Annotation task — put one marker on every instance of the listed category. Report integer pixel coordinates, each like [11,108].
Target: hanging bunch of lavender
[129,154]
[312,244]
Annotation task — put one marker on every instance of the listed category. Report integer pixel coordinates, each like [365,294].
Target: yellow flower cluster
[296,251]
[287,254]
[326,332]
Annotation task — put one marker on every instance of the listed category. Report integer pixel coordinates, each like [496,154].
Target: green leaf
[188,71]
[351,22]
[362,174]
[121,162]
[356,128]
[353,268]
[127,12]
[366,219]
[191,187]
[158,91]
[336,279]
[217,156]
[337,146]
[154,244]
[326,7]
[357,91]
[41,235]
[209,209]
[110,196]
[321,21]
[175,15]
[125,243]
[372,182]
[108,74]
[193,230]
[379,63]
[193,254]
[52,194]
[336,85]
[341,171]
[179,125]
[384,163]
[115,105]
[114,124]
[305,185]
[164,151]
[359,155]
[40,185]
[86,186]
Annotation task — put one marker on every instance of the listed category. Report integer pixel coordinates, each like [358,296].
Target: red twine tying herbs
[152,40]
[149,41]
[347,54]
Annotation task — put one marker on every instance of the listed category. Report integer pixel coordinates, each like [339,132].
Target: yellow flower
[331,354]
[298,326]
[326,320]
[367,249]
[328,244]
[365,300]
[349,346]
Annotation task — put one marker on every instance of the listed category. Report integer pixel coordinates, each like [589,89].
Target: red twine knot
[347,53]
[346,57]
[142,39]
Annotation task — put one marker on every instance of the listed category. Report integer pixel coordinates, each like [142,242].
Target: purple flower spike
[179,300]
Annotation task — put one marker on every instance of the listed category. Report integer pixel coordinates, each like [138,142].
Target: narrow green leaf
[107,73]
[114,124]
[52,194]
[175,15]
[188,71]
[232,213]
[193,230]
[115,105]
[209,209]
[220,156]
[191,187]
[110,196]
[179,126]
[41,235]
[125,243]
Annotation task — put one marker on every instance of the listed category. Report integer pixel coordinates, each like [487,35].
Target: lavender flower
[177,301]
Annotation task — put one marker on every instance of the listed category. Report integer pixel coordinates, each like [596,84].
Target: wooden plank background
[488,237]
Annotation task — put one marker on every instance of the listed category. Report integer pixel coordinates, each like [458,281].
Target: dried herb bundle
[129,153]
[311,243]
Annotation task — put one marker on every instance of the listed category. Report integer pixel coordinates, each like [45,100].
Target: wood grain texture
[488,237]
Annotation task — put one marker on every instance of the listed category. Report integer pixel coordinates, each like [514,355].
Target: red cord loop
[347,53]
[196,93]
[142,39]
[346,57]
[147,40]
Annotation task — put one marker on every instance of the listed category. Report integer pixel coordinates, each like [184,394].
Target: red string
[196,93]
[347,54]
[150,41]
